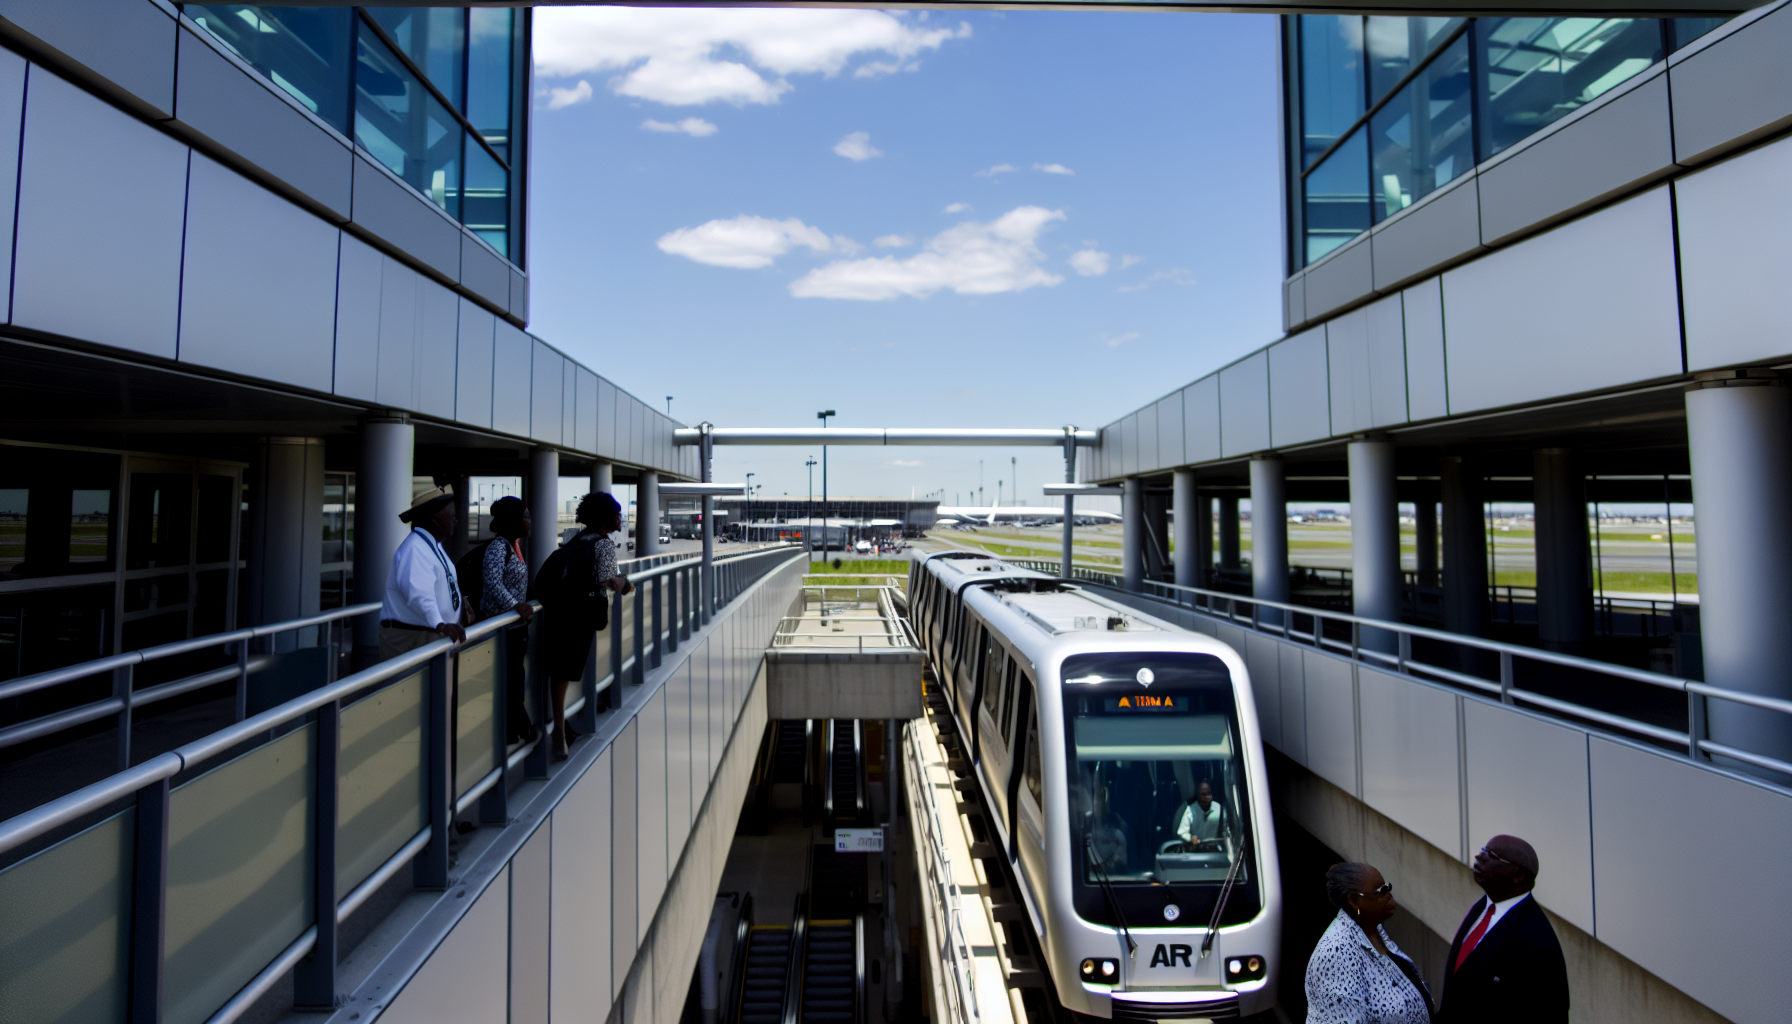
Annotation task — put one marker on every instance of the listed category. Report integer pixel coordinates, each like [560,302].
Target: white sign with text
[858,840]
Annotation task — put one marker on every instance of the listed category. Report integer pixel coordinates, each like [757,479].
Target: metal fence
[183,888]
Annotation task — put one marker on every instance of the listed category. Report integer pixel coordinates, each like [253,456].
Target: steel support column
[286,510]
[1465,548]
[382,491]
[1740,428]
[1269,533]
[544,503]
[1187,523]
[1564,550]
[647,514]
[1376,581]
[1132,534]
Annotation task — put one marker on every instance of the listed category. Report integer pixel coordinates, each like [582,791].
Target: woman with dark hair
[505,575]
[1357,975]
[572,587]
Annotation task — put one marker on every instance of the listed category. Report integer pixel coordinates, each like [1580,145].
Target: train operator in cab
[1201,818]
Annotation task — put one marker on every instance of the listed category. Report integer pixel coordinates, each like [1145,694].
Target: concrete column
[1203,539]
[1425,518]
[1465,548]
[544,503]
[647,514]
[1376,583]
[601,481]
[1740,430]
[1189,520]
[1229,546]
[1157,535]
[1132,534]
[1564,551]
[286,545]
[382,491]
[1269,533]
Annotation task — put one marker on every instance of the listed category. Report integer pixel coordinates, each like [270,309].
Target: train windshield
[1157,783]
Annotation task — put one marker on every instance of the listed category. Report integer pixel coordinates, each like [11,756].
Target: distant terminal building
[846,520]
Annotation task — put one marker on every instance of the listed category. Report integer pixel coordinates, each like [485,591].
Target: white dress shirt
[1499,911]
[421,589]
[1195,825]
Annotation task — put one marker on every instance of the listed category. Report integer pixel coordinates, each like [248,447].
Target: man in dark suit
[1506,963]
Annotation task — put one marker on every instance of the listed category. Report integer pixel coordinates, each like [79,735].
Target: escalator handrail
[827,774]
[737,966]
[858,966]
[858,767]
[793,977]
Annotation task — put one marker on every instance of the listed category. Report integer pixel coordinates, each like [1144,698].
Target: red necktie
[1474,937]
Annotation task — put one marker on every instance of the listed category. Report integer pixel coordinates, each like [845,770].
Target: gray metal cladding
[585,437]
[1589,305]
[1427,392]
[1627,140]
[512,374]
[87,226]
[1294,302]
[483,273]
[1736,89]
[401,218]
[1387,361]
[1128,450]
[1331,737]
[549,369]
[1201,420]
[12,119]
[1541,796]
[519,296]
[1244,405]
[609,427]
[1145,437]
[1299,399]
[640,444]
[1742,926]
[473,365]
[1735,218]
[1443,227]
[1344,277]
[569,402]
[127,43]
[1411,762]
[234,109]
[1170,432]
[438,323]
[400,311]
[358,275]
[258,292]
[1347,351]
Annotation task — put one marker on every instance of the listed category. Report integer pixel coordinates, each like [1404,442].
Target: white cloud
[893,241]
[990,172]
[857,147]
[847,245]
[744,243]
[906,462]
[1127,261]
[695,127]
[687,56]
[871,69]
[1054,169]
[972,258]
[957,208]
[566,96]
[1178,276]
[1117,340]
[1090,262]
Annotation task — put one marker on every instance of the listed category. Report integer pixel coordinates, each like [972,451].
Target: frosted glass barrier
[1422,138]
[240,842]
[307,51]
[65,916]
[1536,70]
[474,716]
[380,786]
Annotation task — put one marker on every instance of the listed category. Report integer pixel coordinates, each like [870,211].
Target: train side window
[992,674]
[1007,718]
[1035,775]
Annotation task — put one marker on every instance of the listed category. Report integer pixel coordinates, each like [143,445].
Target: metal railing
[374,768]
[957,968]
[1348,636]
[897,633]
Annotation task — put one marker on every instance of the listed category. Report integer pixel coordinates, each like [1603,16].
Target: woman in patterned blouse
[1357,974]
[506,579]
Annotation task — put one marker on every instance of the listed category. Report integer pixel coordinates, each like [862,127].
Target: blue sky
[748,210]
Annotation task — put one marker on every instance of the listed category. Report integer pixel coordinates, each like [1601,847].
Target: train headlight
[1101,971]
[1245,968]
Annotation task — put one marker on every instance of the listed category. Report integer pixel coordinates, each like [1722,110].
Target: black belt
[395,624]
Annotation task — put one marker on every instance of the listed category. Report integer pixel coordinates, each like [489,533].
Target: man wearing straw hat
[422,595]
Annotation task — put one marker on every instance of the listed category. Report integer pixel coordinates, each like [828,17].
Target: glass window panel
[381,793]
[304,50]
[45,629]
[1394,43]
[15,503]
[434,38]
[217,507]
[161,520]
[1535,70]
[486,206]
[1337,197]
[1685,30]
[1421,139]
[65,935]
[90,530]
[488,75]
[404,127]
[1331,90]
[475,718]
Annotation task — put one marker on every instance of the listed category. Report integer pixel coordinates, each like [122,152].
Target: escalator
[813,970]
[766,979]
[791,756]
[833,972]
[844,800]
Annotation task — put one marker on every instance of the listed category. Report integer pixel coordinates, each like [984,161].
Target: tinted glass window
[1337,197]
[1422,137]
[1007,718]
[303,50]
[992,675]
[1034,775]
[434,38]
[1331,95]
[404,127]
[1535,70]
[488,74]
[1395,44]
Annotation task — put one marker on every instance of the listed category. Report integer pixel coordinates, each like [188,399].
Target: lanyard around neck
[436,550]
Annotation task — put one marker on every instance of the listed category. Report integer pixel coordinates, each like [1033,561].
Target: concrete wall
[1414,777]
[594,900]
[1641,238]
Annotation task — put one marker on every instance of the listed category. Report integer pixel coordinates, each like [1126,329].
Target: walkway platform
[844,651]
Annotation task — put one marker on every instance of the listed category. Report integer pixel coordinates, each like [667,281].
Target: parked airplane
[1019,514]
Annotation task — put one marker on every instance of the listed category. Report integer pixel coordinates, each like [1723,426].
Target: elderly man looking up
[1506,963]
[422,595]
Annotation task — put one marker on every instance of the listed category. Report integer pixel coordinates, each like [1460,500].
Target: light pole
[811,530]
[823,416]
[668,406]
[748,538]
[979,481]
[1014,475]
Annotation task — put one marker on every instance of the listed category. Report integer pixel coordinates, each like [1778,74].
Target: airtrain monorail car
[1121,760]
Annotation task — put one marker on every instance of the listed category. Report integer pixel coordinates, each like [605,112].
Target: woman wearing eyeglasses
[1357,974]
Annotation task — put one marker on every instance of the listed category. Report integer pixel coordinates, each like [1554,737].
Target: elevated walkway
[843,651]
